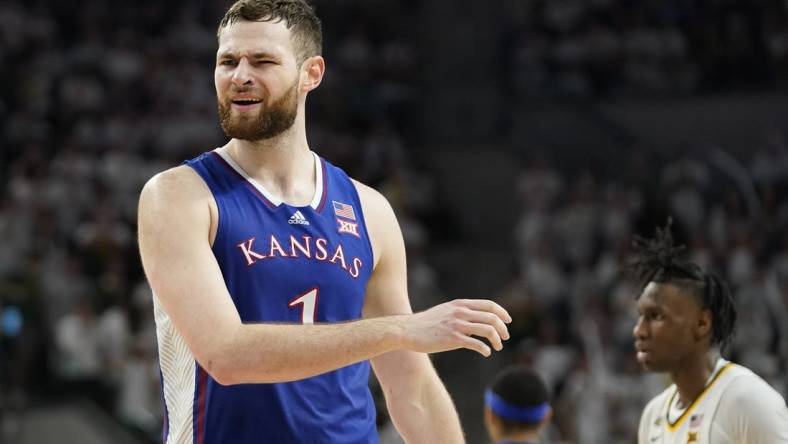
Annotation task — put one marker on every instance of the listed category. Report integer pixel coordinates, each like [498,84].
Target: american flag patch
[344,210]
[696,420]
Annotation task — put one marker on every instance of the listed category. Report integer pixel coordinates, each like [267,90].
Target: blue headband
[514,413]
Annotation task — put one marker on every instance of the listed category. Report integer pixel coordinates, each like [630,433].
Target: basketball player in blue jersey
[686,316]
[278,280]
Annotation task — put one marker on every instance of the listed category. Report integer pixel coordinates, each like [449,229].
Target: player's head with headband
[683,309]
[516,405]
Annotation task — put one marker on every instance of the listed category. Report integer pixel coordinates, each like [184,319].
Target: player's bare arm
[419,405]
[175,219]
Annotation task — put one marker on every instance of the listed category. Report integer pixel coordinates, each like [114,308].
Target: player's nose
[242,73]
[639,331]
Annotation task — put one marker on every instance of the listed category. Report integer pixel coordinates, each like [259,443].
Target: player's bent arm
[420,407]
[174,222]
[173,233]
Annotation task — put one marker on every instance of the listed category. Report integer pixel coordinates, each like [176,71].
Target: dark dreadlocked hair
[658,260]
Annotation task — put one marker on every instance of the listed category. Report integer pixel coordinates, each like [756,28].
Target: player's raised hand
[454,324]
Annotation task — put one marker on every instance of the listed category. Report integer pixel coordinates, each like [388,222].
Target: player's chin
[243,124]
[646,361]
[245,114]
[644,366]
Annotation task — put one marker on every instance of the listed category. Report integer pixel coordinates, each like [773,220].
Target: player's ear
[311,73]
[703,325]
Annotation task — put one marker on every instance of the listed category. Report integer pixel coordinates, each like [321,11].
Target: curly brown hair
[298,15]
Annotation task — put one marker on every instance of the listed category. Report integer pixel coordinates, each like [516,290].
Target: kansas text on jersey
[280,264]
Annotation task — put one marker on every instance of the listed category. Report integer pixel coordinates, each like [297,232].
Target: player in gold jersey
[686,317]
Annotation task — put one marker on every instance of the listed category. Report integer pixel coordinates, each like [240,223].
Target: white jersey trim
[319,186]
[674,412]
[178,369]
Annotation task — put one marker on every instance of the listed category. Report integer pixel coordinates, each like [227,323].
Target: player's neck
[283,165]
[692,376]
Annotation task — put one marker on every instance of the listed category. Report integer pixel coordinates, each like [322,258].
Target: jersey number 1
[308,303]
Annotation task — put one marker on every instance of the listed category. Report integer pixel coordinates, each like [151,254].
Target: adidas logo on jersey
[298,219]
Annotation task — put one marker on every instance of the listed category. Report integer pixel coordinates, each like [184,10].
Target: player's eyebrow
[262,55]
[255,55]
[644,306]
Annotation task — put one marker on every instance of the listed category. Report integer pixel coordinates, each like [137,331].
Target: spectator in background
[516,406]
[79,361]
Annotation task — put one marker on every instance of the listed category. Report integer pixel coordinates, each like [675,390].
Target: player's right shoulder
[175,185]
[657,403]
[649,416]
[175,199]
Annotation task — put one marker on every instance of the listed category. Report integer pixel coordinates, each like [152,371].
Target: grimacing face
[257,80]
[666,330]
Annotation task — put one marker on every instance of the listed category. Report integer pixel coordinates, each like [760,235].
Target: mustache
[244,90]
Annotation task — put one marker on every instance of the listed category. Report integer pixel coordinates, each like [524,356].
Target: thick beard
[268,123]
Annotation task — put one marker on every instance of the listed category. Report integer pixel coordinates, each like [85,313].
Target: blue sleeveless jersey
[296,265]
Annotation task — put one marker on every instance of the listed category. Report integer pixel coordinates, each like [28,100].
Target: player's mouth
[643,353]
[245,104]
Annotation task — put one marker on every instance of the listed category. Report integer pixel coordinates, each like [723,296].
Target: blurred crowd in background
[576,302]
[96,99]
[600,48]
